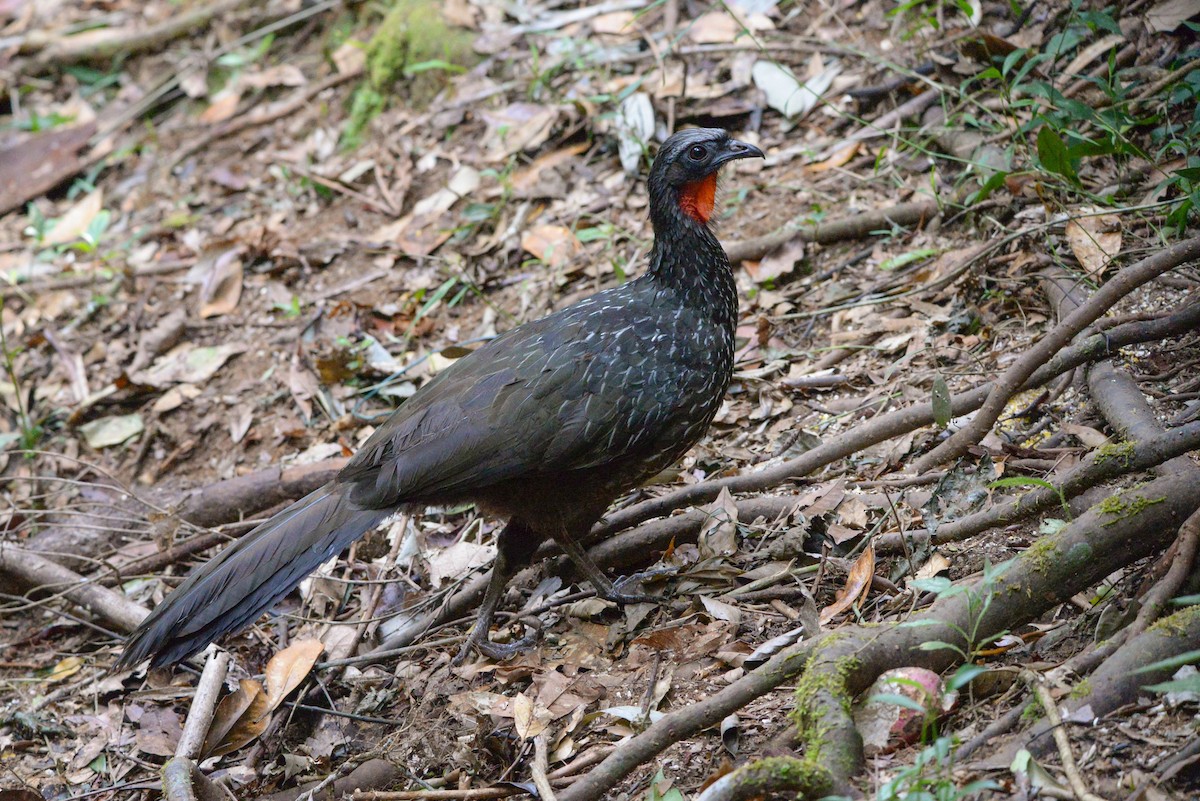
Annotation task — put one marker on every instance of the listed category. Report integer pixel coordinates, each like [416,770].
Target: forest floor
[960,448]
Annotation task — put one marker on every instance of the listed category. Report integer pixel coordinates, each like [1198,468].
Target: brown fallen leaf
[75,220]
[223,106]
[858,582]
[158,732]
[840,158]
[240,718]
[288,668]
[529,717]
[556,245]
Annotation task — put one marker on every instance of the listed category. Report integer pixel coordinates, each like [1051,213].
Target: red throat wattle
[698,198]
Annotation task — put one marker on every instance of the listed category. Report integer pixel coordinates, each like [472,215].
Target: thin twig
[1038,685]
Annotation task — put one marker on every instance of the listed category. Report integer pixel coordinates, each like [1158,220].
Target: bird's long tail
[231,590]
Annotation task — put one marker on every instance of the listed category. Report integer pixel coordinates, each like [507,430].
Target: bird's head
[683,179]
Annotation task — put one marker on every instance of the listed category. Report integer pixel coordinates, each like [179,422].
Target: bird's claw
[617,593]
[496,651]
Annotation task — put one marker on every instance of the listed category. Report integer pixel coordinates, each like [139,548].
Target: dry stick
[35,570]
[1017,375]
[264,116]
[68,49]
[1117,396]
[585,760]
[894,424]
[1082,553]
[1102,464]
[765,777]
[183,781]
[230,500]
[1126,409]
[219,504]
[1122,404]
[1038,685]
[998,727]
[165,267]
[855,227]
[541,761]
[204,704]
[439,795]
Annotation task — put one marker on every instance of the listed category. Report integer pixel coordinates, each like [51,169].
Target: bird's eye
[698,153]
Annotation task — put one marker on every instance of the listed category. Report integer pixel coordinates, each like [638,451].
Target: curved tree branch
[1018,374]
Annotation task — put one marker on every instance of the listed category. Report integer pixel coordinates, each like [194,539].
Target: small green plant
[931,777]
[654,794]
[89,241]
[93,81]
[979,600]
[291,310]
[31,431]
[1030,481]
[930,13]
[35,122]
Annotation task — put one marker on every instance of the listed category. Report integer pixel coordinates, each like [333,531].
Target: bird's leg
[592,572]
[516,545]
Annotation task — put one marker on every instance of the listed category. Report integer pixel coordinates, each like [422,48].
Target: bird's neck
[688,259]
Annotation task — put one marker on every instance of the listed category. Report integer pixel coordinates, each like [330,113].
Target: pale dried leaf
[935,565]
[517,127]
[64,669]
[222,287]
[840,158]
[634,127]
[615,23]
[788,95]
[187,364]
[1095,239]
[778,262]
[1170,14]
[108,431]
[223,106]
[529,717]
[76,219]
[715,27]
[350,57]
[718,535]
[457,559]
[721,610]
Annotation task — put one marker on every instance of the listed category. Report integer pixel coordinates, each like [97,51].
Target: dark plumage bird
[543,426]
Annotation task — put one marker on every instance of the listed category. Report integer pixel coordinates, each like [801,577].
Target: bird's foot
[617,594]
[478,641]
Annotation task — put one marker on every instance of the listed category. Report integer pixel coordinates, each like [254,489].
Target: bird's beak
[735,149]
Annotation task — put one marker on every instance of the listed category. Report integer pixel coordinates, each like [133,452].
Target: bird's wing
[545,398]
